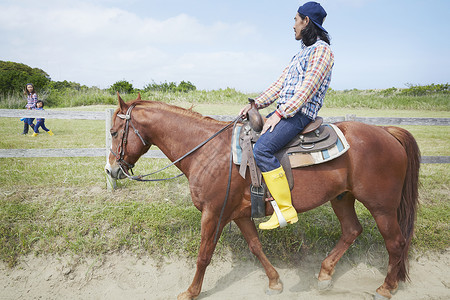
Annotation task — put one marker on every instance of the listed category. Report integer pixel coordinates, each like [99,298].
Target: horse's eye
[113,133]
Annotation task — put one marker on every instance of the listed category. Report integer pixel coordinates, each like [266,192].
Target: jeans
[29,121]
[41,124]
[271,142]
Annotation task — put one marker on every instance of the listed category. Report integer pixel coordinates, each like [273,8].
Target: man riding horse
[380,169]
[299,93]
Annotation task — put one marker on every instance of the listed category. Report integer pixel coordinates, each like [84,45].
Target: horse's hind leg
[395,244]
[248,229]
[351,228]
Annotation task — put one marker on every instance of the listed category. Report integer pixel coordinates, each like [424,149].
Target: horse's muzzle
[114,171]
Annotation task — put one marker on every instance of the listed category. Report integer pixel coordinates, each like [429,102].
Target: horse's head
[128,140]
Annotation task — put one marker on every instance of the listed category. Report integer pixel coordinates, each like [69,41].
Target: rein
[121,153]
[139,177]
[121,149]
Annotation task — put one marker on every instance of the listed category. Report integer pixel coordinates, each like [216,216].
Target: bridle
[121,146]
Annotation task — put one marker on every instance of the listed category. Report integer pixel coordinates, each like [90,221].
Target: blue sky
[218,44]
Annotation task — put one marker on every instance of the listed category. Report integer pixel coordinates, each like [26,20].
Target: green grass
[378,100]
[433,227]
[60,205]
[433,97]
[432,140]
[68,134]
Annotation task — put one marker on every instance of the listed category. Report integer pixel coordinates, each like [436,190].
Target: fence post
[350,117]
[110,182]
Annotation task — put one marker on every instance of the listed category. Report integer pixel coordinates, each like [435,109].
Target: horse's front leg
[248,229]
[351,229]
[207,245]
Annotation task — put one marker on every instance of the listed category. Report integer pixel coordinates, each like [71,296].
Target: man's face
[299,25]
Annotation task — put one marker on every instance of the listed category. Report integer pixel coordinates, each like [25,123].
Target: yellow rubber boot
[278,186]
[50,132]
[35,134]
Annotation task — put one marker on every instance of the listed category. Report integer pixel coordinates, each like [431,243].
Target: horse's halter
[121,147]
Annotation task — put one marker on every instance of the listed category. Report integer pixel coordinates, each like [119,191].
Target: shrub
[421,90]
[184,86]
[123,87]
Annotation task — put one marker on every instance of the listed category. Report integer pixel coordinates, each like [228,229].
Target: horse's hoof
[184,296]
[324,285]
[380,297]
[276,289]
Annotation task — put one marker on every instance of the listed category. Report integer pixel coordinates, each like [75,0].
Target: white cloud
[215,45]
[94,45]
[246,71]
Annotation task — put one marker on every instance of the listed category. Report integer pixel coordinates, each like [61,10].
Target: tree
[186,86]
[14,76]
[122,86]
[66,85]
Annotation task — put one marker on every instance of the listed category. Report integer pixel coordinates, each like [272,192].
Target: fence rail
[52,114]
[96,115]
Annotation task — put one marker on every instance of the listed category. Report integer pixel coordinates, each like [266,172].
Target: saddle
[315,137]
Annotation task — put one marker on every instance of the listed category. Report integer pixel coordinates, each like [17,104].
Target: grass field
[60,205]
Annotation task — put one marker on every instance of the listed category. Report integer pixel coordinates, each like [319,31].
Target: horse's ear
[122,104]
[139,96]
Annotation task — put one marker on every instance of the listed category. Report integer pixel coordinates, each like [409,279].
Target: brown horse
[380,170]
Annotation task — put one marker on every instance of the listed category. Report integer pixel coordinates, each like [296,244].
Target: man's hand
[271,123]
[244,111]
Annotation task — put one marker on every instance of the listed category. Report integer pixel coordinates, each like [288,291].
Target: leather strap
[245,145]
[281,219]
[249,160]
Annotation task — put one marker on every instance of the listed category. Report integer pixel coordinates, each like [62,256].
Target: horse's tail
[406,212]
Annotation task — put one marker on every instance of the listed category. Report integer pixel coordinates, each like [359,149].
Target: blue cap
[315,12]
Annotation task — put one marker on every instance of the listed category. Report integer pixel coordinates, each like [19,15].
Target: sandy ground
[124,276]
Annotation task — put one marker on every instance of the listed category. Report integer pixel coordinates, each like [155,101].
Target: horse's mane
[172,108]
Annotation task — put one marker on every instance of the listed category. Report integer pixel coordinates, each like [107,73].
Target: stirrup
[281,219]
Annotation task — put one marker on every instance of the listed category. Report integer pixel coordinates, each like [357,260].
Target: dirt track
[123,276]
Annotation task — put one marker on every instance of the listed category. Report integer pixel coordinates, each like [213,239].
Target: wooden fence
[96,152]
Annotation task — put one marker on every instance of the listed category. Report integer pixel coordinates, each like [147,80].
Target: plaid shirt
[31,101]
[303,84]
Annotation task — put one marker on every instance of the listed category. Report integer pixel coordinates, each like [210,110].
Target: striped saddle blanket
[301,152]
